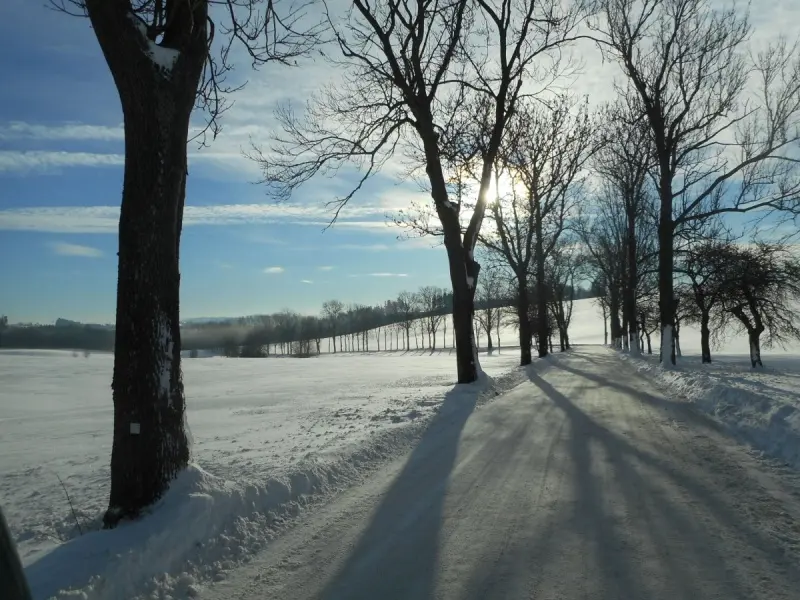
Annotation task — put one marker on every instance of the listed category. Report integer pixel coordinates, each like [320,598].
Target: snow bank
[762,408]
[271,436]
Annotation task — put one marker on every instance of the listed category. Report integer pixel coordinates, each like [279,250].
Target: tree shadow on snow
[396,555]
[669,506]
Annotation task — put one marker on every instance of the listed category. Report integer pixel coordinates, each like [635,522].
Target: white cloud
[381,275]
[273,270]
[306,281]
[325,268]
[61,219]
[44,160]
[105,219]
[17,130]
[369,247]
[66,249]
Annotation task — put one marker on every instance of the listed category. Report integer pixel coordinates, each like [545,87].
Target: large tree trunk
[616,326]
[464,278]
[541,291]
[666,304]
[150,445]
[624,331]
[705,337]
[754,337]
[629,293]
[525,333]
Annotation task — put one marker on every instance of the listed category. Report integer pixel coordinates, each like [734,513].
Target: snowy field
[271,436]
[277,428]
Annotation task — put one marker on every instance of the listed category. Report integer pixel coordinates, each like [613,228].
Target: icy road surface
[582,483]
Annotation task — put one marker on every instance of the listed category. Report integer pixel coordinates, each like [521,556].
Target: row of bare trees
[423,315]
[435,85]
[720,123]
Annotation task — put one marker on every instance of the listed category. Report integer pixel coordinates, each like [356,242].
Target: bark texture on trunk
[705,337]
[754,337]
[525,333]
[542,322]
[666,266]
[616,326]
[629,292]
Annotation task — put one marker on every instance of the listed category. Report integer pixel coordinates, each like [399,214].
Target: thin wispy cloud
[306,281]
[65,249]
[18,130]
[379,275]
[47,160]
[105,219]
[369,247]
[326,268]
[273,270]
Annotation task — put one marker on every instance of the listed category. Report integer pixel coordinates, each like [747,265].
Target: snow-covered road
[581,483]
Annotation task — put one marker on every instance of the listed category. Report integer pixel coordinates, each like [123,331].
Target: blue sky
[60,185]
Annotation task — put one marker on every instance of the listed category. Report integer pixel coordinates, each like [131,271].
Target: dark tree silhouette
[414,71]
[623,163]
[760,289]
[715,153]
[159,53]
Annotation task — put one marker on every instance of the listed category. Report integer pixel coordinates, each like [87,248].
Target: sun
[506,186]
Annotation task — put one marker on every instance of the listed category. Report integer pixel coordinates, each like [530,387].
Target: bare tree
[760,290]
[332,311]
[413,72]
[716,151]
[159,53]
[432,308]
[406,310]
[564,266]
[489,296]
[603,234]
[623,163]
[543,158]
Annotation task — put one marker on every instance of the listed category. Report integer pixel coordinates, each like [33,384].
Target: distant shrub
[193,353]
[252,351]
[303,349]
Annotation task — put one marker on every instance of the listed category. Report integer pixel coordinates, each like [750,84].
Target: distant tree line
[409,322]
